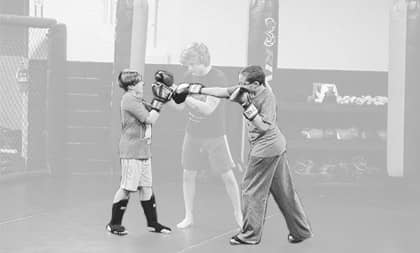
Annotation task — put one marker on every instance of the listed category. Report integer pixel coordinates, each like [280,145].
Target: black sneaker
[293,239]
[116,229]
[236,241]
[159,228]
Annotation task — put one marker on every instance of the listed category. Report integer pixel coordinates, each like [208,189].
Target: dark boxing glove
[179,98]
[241,95]
[164,77]
[162,94]
[162,89]
[184,89]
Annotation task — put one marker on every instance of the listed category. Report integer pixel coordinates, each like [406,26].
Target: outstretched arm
[206,107]
[178,107]
[219,92]
[184,89]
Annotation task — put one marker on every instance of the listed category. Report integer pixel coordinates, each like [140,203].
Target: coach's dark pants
[263,176]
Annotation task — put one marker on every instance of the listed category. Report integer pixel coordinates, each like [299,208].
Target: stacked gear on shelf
[349,170]
[336,138]
[327,93]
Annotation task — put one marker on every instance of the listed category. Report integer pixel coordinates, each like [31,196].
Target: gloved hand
[241,95]
[162,92]
[165,77]
[184,89]
[162,89]
[147,105]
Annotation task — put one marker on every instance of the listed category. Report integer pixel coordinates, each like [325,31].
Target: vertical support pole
[262,44]
[130,52]
[56,83]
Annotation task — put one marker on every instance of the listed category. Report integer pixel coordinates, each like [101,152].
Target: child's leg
[118,209]
[119,206]
[129,182]
[255,192]
[147,198]
[287,200]
[148,203]
[145,193]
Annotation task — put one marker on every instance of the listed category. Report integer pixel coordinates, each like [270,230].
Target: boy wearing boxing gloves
[137,118]
[267,170]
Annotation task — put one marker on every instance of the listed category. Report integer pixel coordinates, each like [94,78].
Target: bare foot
[187,222]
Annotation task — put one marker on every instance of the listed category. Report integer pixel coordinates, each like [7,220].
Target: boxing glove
[183,90]
[241,95]
[162,92]
[164,77]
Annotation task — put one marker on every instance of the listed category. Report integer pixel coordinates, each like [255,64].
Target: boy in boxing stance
[137,118]
[267,169]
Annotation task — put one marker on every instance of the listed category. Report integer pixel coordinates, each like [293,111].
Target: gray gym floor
[45,213]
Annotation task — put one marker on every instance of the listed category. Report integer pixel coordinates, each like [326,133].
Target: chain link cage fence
[24,55]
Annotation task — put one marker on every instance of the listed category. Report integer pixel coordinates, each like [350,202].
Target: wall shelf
[330,108]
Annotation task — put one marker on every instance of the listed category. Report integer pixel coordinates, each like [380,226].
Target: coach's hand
[184,89]
[180,93]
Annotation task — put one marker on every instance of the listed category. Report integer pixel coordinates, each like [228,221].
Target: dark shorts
[216,150]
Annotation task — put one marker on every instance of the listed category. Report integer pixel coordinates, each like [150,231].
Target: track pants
[265,175]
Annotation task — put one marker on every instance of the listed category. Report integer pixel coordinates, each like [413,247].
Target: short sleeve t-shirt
[272,141]
[136,135]
[207,126]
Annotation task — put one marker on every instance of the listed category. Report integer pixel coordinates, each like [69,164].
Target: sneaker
[293,239]
[116,229]
[236,241]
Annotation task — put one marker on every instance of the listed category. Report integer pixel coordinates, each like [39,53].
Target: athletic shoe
[236,241]
[293,239]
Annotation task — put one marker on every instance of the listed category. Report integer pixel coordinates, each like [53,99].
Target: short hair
[196,52]
[128,77]
[254,73]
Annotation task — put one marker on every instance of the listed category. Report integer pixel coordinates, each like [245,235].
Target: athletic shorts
[136,173]
[216,150]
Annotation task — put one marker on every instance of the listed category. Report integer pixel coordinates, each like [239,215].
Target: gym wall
[313,34]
